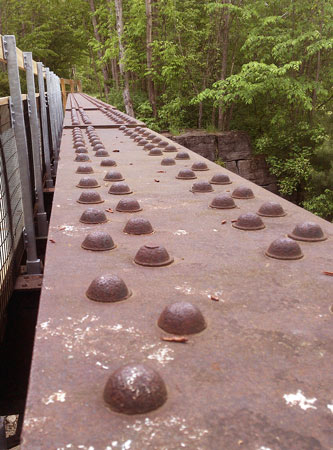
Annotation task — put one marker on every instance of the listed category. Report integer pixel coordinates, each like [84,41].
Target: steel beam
[50,102]
[42,222]
[45,128]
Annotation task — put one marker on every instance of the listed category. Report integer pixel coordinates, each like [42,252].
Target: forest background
[262,66]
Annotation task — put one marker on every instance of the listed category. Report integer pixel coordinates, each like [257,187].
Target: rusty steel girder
[253,371]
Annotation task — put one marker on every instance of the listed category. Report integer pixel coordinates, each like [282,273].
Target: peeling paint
[59,396]
[300,400]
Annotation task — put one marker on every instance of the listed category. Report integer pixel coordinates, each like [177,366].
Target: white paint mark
[59,396]
[126,445]
[45,325]
[34,422]
[264,448]
[214,229]
[300,400]
[162,355]
[114,443]
[185,289]
[180,233]
[116,327]
[330,407]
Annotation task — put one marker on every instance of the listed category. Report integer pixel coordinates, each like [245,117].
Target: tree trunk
[225,48]
[123,72]
[99,52]
[92,57]
[115,75]
[318,67]
[150,83]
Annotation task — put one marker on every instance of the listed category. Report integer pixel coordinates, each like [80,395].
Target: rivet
[162,144]
[168,162]
[137,226]
[220,178]
[90,197]
[155,152]
[222,201]
[101,153]
[199,166]
[182,318]
[186,174]
[149,146]
[113,175]
[135,389]
[242,192]
[98,241]
[156,140]
[82,157]
[128,205]
[271,209]
[108,289]
[202,186]
[142,142]
[182,155]
[93,216]
[88,182]
[308,231]
[81,150]
[153,256]
[85,169]
[108,162]
[98,147]
[119,189]
[170,148]
[249,221]
[79,143]
[284,248]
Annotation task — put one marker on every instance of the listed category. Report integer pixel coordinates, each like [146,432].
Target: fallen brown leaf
[330,274]
[181,339]
[234,220]
[109,210]
[115,151]
[223,222]
[156,181]
[161,171]
[216,299]
[62,228]
[52,240]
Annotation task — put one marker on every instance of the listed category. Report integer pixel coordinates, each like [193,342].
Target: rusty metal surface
[258,377]
[28,283]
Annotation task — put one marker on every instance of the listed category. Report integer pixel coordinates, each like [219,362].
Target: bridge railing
[30,134]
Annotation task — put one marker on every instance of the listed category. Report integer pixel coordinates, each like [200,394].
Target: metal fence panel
[11,214]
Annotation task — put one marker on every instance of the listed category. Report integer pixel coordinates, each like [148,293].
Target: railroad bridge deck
[258,377]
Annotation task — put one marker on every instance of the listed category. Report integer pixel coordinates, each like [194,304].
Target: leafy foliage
[261,66]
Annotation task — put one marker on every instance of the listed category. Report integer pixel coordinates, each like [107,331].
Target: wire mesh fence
[11,211]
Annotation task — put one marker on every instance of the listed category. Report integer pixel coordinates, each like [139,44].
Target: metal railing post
[42,224]
[52,117]
[45,128]
[33,263]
